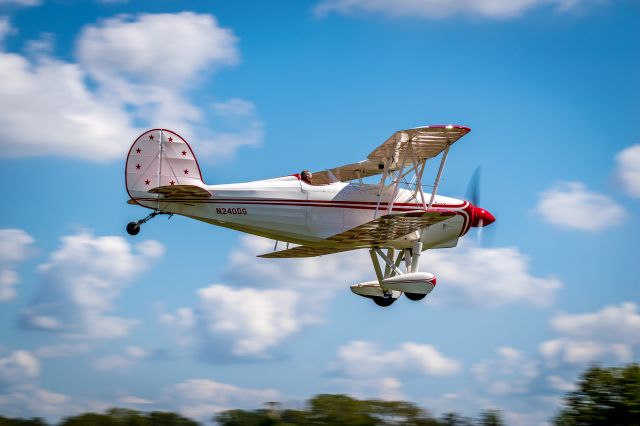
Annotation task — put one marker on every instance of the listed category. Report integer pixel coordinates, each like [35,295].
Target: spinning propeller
[479,216]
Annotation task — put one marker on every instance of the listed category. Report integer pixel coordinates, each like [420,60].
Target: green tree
[605,396]
[162,418]
[294,417]
[455,419]
[35,421]
[329,410]
[244,418]
[340,409]
[124,417]
[399,413]
[491,418]
[88,419]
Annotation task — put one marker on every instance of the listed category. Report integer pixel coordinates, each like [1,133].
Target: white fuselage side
[288,209]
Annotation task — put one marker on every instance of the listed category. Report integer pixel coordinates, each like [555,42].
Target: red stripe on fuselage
[357,205]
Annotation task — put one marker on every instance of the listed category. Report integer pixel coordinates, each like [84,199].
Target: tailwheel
[133,228]
[415,296]
[383,301]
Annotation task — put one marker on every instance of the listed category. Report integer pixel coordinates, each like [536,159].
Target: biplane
[336,211]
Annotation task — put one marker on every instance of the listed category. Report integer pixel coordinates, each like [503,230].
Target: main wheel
[383,301]
[415,296]
[133,228]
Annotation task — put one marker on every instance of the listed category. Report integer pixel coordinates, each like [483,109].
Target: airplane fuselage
[288,209]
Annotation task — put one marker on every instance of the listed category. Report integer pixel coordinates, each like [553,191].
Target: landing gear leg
[415,262]
[133,228]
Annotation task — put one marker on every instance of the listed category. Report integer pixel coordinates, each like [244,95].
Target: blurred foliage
[36,421]
[323,410]
[605,396]
[123,417]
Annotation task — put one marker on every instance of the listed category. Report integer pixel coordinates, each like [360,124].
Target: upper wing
[371,234]
[426,142]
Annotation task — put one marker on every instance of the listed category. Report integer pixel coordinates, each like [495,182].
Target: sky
[184,317]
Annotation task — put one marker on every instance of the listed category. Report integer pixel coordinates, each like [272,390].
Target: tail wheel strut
[133,228]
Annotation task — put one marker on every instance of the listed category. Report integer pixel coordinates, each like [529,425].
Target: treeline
[322,410]
[113,417]
[603,396]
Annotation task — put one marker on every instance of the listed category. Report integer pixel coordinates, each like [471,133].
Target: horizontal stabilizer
[181,192]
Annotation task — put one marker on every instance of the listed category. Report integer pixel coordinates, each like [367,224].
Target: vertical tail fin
[160,157]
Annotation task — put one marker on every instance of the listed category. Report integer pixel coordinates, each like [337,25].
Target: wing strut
[376,265]
[392,268]
[399,172]
[439,175]
[389,262]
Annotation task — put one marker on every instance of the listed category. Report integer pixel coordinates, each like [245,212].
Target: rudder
[160,157]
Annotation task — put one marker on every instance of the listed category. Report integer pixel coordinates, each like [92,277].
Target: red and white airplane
[334,212]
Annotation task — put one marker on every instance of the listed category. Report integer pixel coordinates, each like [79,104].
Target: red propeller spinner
[481,217]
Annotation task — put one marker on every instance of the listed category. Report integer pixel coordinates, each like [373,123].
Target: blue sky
[184,317]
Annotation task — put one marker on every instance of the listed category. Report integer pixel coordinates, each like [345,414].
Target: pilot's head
[306,176]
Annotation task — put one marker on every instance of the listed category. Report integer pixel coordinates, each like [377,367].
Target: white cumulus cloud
[61,350]
[80,282]
[200,398]
[151,62]
[510,372]
[20,396]
[17,368]
[29,400]
[130,357]
[365,369]
[26,3]
[572,205]
[166,49]
[437,9]
[576,351]
[268,299]
[613,332]
[611,323]
[268,302]
[15,247]
[5,28]
[362,359]
[247,321]
[560,384]
[141,69]
[324,275]
[71,119]
[628,169]
[488,277]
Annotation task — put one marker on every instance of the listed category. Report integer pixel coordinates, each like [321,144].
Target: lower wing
[371,234]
